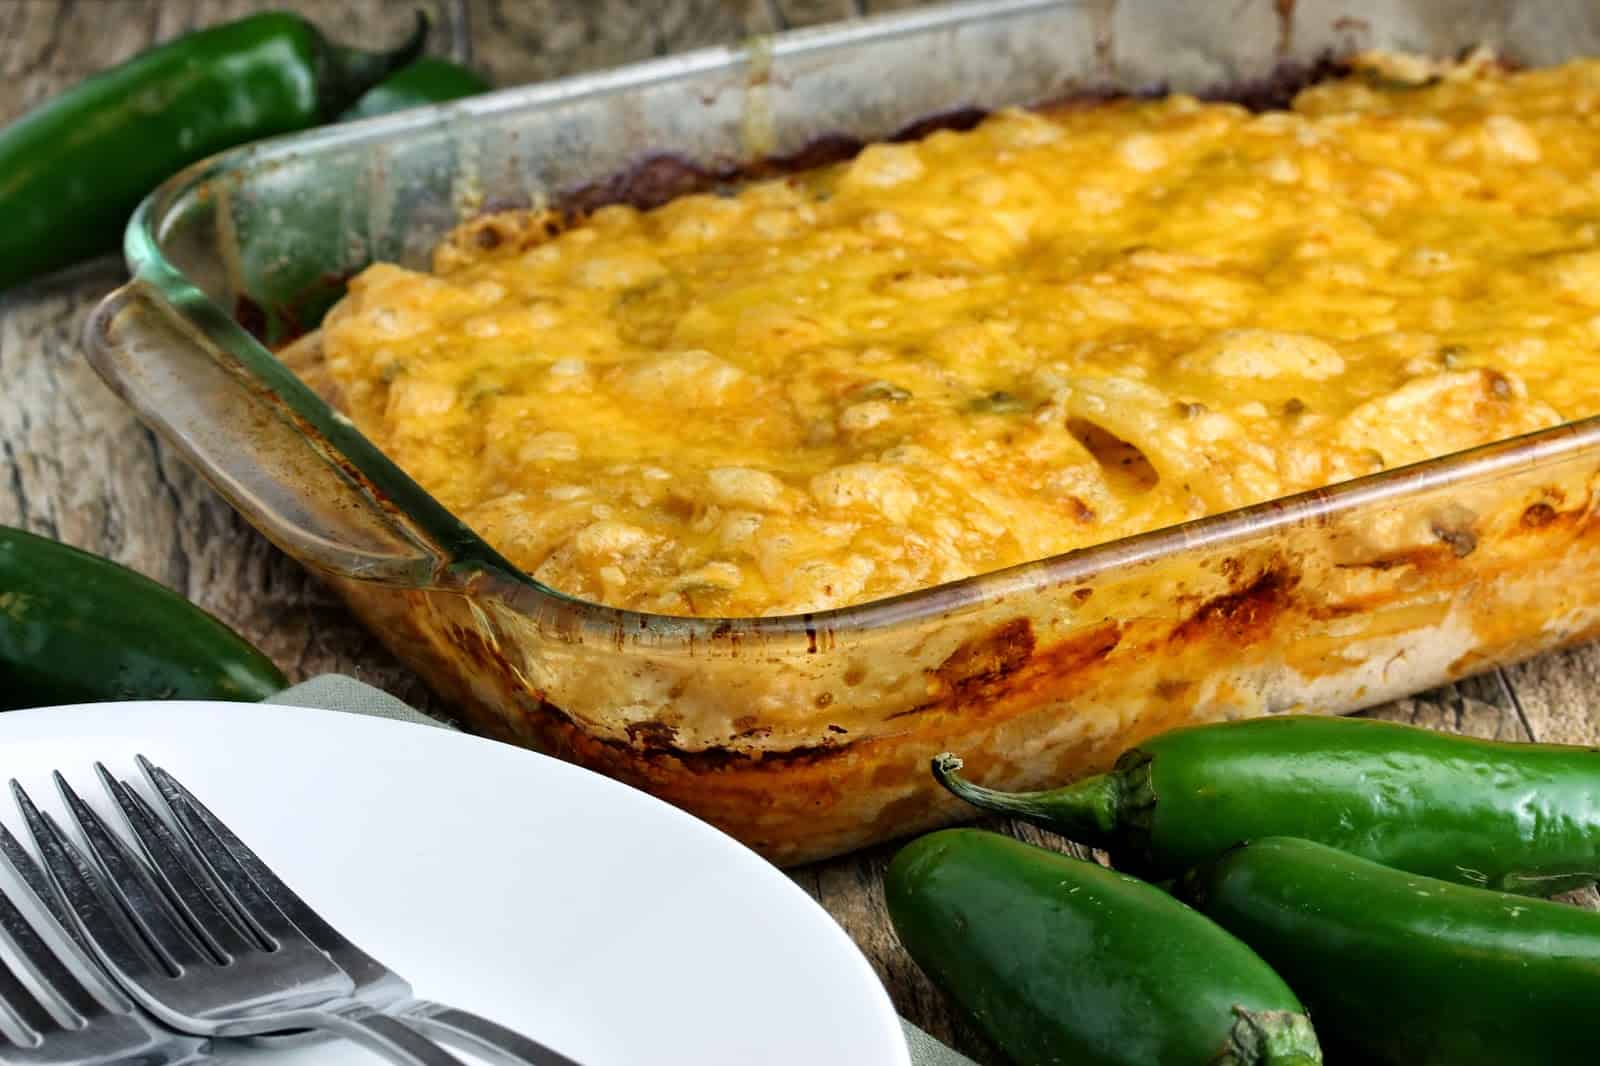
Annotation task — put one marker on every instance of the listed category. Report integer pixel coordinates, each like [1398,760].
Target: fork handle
[479,1035]
[389,1037]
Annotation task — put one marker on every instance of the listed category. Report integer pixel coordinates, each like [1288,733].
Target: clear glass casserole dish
[808,735]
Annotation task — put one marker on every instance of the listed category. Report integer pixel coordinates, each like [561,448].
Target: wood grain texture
[74,464]
[521,41]
[1481,707]
[1560,694]
[797,13]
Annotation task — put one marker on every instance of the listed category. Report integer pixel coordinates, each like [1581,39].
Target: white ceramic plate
[598,920]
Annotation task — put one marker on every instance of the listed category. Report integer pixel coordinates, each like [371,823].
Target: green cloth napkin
[335,692]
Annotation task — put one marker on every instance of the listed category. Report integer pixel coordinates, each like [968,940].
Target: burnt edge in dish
[661,177]
[809,800]
[657,178]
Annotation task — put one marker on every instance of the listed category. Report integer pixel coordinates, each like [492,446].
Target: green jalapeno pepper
[1411,970]
[1062,961]
[75,628]
[287,285]
[1518,817]
[429,80]
[73,169]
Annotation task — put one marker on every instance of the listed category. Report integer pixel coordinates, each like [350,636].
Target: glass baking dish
[809,735]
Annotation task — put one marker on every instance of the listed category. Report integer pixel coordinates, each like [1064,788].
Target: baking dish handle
[248,445]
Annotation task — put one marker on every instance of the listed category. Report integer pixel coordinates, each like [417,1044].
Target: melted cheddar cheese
[949,356]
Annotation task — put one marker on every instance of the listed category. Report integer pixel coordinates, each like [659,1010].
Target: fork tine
[24,1010]
[98,917]
[47,965]
[129,881]
[214,889]
[258,891]
[38,882]
[186,884]
[72,953]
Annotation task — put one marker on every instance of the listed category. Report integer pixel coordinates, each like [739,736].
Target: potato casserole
[980,348]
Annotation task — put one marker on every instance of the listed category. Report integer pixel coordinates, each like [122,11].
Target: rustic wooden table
[76,466]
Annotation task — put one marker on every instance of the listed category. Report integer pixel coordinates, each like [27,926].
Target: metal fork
[93,1024]
[186,960]
[250,884]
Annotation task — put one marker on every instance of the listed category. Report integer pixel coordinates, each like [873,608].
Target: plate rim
[886,1015]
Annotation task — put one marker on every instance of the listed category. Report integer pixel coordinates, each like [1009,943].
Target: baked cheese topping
[983,348]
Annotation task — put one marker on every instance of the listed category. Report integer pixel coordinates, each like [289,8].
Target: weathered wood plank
[1479,706]
[520,41]
[796,13]
[74,463]
[1560,694]
[1587,898]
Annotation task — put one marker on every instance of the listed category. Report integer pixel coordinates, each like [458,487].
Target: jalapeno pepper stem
[1087,811]
[1271,1038]
[349,72]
